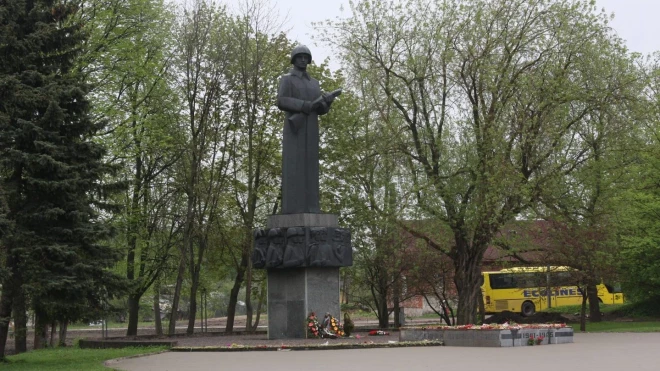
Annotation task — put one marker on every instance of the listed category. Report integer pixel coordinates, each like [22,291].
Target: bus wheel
[528,309]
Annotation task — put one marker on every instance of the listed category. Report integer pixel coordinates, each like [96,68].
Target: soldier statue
[300,97]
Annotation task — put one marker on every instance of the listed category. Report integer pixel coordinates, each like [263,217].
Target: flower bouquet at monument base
[329,328]
[313,326]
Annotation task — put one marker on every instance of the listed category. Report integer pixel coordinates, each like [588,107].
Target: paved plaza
[602,352]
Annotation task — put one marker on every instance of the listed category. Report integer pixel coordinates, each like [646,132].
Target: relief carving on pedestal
[302,247]
[294,252]
[275,248]
[260,248]
[322,252]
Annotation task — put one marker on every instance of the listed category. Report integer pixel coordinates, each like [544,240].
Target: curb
[249,348]
[110,344]
[110,362]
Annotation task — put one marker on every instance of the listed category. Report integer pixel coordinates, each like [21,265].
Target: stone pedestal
[303,220]
[296,292]
[302,254]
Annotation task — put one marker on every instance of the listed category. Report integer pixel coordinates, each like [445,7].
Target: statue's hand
[322,107]
[328,98]
[308,107]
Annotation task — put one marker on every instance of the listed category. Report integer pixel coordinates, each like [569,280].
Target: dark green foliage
[639,261]
[644,308]
[49,167]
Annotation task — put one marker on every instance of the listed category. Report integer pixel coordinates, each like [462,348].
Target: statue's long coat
[300,149]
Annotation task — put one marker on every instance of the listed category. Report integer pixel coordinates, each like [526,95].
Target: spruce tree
[50,167]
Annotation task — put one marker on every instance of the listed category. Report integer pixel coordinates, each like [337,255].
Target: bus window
[516,280]
[613,288]
[562,279]
[502,281]
[529,280]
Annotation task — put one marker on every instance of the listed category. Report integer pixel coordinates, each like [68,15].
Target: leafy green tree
[202,60]
[360,184]
[485,100]
[128,61]
[51,169]
[587,198]
[256,65]
[640,206]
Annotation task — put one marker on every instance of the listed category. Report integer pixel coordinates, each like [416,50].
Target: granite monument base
[489,337]
[296,292]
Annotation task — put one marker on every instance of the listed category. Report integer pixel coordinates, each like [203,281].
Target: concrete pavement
[602,352]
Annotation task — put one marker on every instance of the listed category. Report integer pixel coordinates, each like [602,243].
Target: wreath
[313,327]
[331,327]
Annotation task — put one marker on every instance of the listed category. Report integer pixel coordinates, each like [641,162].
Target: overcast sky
[636,21]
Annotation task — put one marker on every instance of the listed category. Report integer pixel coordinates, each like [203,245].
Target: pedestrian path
[602,352]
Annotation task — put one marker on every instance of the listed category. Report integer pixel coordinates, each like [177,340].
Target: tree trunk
[195,269]
[248,293]
[397,306]
[383,315]
[64,325]
[467,277]
[6,299]
[157,321]
[345,284]
[132,232]
[40,331]
[192,309]
[262,299]
[397,314]
[133,312]
[381,309]
[594,303]
[233,295]
[379,290]
[583,312]
[20,322]
[189,245]
[51,338]
[468,298]
[171,330]
[482,309]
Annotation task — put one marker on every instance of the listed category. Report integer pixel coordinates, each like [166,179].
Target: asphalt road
[602,352]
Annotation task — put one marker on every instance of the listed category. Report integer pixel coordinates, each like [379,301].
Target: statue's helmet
[300,49]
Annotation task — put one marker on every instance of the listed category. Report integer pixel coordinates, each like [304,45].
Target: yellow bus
[524,289]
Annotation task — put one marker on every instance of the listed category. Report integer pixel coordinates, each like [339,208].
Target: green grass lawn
[573,309]
[67,359]
[612,326]
[631,311]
